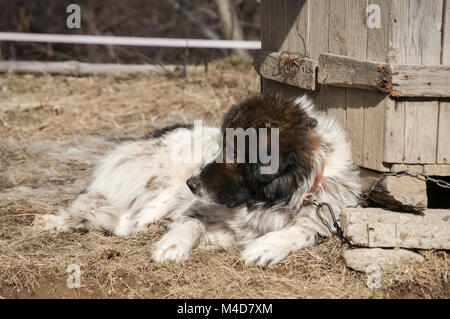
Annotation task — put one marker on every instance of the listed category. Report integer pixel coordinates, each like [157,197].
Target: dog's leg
[271,248]
[90,211]
[176,245]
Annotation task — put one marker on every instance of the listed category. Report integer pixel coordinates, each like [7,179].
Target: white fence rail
[128,41]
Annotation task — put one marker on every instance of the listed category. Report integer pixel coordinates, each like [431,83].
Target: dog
[224,199]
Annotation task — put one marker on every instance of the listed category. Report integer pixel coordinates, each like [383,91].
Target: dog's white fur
[138,184]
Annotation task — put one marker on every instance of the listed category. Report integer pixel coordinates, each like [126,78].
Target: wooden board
[421,121]
[420,80]
[394,134]
[423,43]
[357,48]
[333,98]
[287,68]
[410,168]
[339,70]
[375,102]
[318,36]
[318,32]
[446,34]
[443,145]
[279,28]
[438,170]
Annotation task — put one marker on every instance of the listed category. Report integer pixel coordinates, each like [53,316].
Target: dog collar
[313,189]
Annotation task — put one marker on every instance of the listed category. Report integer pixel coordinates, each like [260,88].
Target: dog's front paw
[171,249]
[265,251]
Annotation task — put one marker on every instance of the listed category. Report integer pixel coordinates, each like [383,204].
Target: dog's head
[275,159]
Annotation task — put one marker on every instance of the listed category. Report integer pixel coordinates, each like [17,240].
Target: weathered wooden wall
[386,134]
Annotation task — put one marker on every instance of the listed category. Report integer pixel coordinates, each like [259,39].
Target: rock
[386,259]
[404,193]
[377,227]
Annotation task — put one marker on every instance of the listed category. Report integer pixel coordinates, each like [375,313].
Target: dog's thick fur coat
[265,216]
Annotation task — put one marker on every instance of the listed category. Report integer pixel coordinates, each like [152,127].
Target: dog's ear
[280,186]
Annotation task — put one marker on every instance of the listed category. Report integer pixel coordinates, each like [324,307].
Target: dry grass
[54,128]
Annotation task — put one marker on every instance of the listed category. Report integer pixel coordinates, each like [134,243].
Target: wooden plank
[279,27]
[333,98]
[297,21]
[319,10]
[394,138]
[337,37]
[446,34]
[342,71]
[394,134]
[357,48]
[273,34]
[433,169]
[287,68]
[437,170]
[420,80]
[376,227]
[375,102]
[354,124]
[273,22]
[443,147]
[421,120]
[422,47]
[357,29]
[410,168]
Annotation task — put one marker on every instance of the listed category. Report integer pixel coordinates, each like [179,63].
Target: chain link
[338,229]
[420,176]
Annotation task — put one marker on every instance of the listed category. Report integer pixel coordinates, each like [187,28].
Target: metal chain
[336,225]
[338,229]
[420,176]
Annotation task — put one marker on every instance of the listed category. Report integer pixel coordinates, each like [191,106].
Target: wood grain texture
[394,134]
[287,68]
[354,124]
[443,147]
[343,71]
[280,28]
[333,98]
[446,34]
[423,47]
[375,102]
[404,167]
[357,48]
[420,80]
[319,10]
[421,121]
[437,170]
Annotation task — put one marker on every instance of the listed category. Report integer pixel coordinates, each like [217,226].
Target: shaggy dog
[220,204]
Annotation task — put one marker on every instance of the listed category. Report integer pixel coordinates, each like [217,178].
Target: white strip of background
[129,41]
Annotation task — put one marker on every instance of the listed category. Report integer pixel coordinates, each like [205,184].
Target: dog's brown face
[232,182]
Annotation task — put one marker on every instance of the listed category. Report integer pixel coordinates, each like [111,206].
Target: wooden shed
[381,67]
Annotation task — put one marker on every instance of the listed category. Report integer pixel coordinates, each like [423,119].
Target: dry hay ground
[54,128]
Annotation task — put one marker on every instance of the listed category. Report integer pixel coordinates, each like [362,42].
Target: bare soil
[53,129]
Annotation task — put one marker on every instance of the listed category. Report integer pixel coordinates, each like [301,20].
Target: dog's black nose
[193,183]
